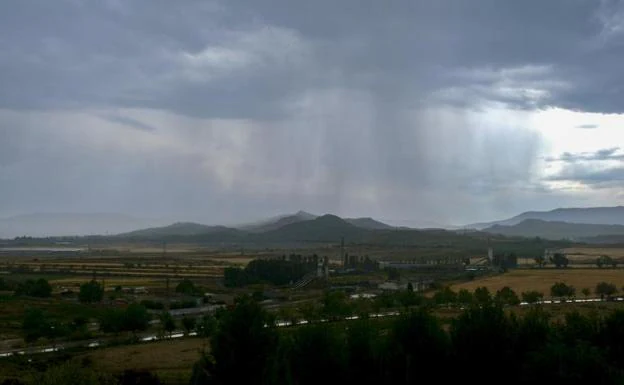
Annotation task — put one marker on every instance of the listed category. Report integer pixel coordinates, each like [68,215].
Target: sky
[411,111]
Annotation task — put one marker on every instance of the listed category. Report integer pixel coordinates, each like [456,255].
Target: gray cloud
[605,154]
[128,122]
[587,126]
[237,109]
[595,177]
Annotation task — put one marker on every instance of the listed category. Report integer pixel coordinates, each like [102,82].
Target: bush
[186,287]
[39,288]
[152,305]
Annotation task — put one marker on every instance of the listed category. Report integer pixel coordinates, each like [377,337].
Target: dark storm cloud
[133,53]
[587,175]
[231,109]
[126,121]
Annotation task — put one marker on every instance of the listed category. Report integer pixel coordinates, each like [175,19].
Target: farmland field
[173,358]
[542,279]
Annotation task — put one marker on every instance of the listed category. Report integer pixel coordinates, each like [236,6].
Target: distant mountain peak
[586,215]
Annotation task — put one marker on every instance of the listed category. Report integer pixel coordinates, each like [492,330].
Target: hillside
[590,215]
[176,229]
[556,230]
[329,228]
[277,222]
[368,223]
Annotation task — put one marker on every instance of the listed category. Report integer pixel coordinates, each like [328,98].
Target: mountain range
[598,224]
[300,226]
[43,225]
[589,215]
[557,230]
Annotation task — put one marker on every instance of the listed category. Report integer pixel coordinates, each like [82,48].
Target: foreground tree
[243,346]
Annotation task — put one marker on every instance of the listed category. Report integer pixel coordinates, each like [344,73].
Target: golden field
[542,279]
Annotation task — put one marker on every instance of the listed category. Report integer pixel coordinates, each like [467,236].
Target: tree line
[275,271]
[484,343]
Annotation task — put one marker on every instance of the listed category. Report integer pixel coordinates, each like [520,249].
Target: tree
[186,287]
[560,260]
[540,261]
[167,323]
[335,305]
[34,325]
[506,296]
[532,297]
[410,287]
[4,285]
[136,318]
[561,290]
[407,298]
[605,289]
[112,321]
[605,260]
[188,323]
[482,295]
[446,296]
[207,326]
[39,288]
[465,297]
[310,311]
[91,292]
[243,345]
[393,274]
[586,292]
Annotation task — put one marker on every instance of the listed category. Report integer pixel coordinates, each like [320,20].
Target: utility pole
[342,253]
[167,295]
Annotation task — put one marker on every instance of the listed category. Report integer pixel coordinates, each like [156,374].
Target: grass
[613,252]
[12,311]
[542,279]
[171,360]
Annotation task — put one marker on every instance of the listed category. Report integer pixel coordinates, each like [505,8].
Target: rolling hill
[590,215]
[368,223]
[556,230]
[328,228]
[176,229]
[277,222]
